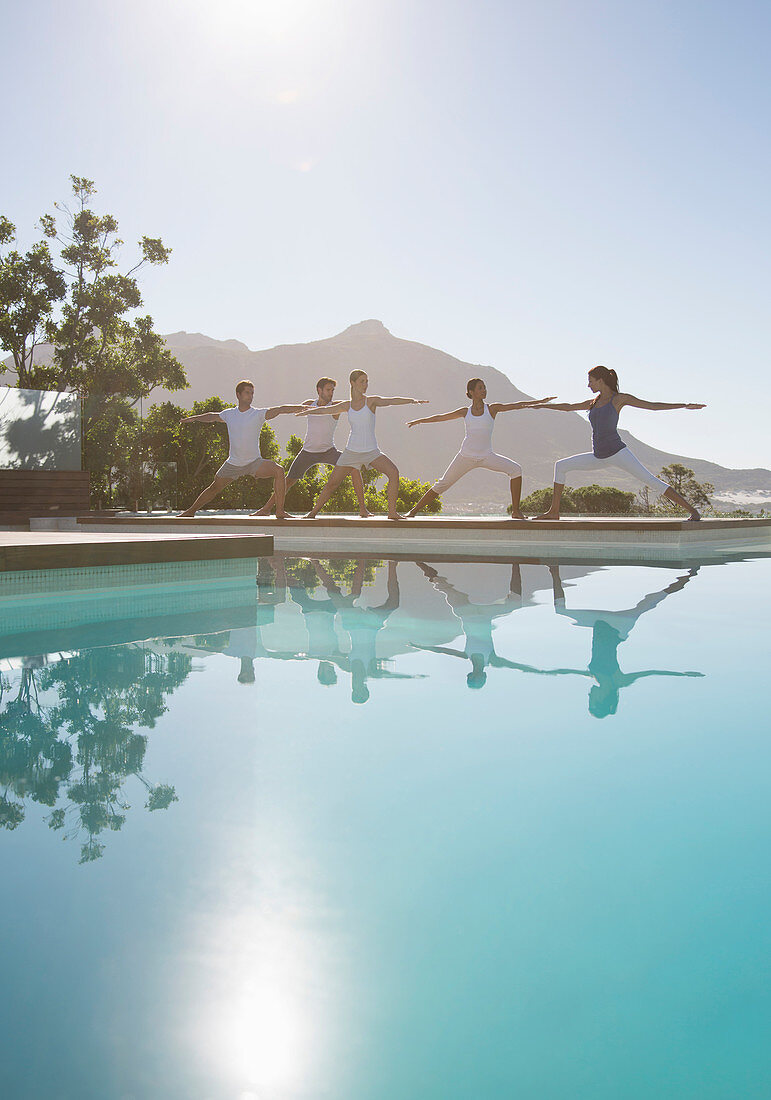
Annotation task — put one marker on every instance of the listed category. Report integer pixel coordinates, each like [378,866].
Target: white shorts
[358,458]
[261,467]
[621,460]
[462,464]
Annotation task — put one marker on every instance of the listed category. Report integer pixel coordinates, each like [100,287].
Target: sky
[538,187]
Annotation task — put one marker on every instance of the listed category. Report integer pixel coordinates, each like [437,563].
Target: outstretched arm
[322,410]
[202,418]
[499,408]
[654,406]
[565,406]
[381,402]
[456,414]
[279,410]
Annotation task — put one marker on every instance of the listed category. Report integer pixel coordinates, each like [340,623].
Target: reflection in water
[609,629]
[69,737]
[69,724]
[476,621]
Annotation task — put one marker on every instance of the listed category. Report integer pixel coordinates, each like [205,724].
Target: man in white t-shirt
[319,448]
[244,425]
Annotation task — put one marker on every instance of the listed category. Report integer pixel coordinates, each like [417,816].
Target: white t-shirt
[320,433]
[244,434]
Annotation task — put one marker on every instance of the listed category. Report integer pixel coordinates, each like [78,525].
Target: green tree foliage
[539,500]
[30,289]
[81,301]
[603,500]
[683,480]
[592,500]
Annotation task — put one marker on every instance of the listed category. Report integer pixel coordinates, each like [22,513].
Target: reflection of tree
[69,733]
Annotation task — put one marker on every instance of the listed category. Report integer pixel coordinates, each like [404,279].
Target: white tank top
[479,434]
[362,437]
[320,433]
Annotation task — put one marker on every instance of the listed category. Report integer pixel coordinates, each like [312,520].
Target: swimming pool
[381,829]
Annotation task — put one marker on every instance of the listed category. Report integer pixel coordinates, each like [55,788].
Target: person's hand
[543,400]
[412,423]
[695,406]
[419,401]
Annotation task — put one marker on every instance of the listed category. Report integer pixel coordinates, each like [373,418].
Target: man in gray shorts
[319,448]
[244,425]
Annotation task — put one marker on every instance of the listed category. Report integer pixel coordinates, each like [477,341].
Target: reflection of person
[609,629]
[363,625]
[244,424]
[245,643]
[361,450]
[323,643]
[477,622]
[608,448]
[476,451]
[319,448]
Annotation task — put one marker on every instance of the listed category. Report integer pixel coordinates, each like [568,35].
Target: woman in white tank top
[361,449]
[477,448]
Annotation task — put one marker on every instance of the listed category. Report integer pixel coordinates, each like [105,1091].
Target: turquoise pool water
[375,830]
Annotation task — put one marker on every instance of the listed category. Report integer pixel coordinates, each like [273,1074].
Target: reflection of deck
[615,538]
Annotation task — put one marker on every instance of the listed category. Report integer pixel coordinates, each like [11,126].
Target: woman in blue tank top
[608,448]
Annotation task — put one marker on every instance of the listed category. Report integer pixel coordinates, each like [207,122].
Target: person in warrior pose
[608,448]
[477,448]
[319,448]
[244,424]
[361,448]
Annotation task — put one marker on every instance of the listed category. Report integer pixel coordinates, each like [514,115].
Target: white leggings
[622,460]
[461,465]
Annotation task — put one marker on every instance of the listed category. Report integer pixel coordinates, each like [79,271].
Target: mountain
[288,373]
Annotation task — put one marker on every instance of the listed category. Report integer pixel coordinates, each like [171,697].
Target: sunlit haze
[537,187]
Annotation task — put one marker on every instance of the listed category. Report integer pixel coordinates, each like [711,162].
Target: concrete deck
[647,539]
[86,548]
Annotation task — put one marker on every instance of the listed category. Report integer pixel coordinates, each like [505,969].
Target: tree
[603,500]
[30,289]
[540,499]
[683,480]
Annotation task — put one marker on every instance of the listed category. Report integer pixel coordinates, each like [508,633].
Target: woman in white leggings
[608,448]
[477,448]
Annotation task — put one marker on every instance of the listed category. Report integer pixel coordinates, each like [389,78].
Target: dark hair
[472,385]
[606,375]
[326,382]
[240,385]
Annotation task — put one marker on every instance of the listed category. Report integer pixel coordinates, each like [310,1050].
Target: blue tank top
[605,438]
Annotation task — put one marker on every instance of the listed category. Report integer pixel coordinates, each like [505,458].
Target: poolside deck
[475,537]
[87,547]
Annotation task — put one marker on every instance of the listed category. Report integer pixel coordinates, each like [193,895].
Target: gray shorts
[359,458]
[306,460]
[261,467]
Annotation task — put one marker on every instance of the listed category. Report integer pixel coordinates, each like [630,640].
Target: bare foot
[548,515]
[396,515]
[365,514]
[186,515]
[264,511]
[517,515]
[284,515]
[309,515]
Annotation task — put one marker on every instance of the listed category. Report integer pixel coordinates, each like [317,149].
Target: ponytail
[606,375]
